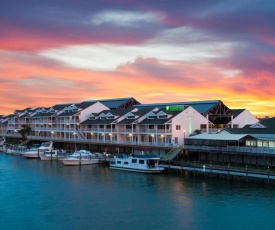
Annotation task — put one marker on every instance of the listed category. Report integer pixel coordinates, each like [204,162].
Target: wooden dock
[225,171]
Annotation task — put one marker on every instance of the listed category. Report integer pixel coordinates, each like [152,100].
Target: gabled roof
[200,106]
[116,103]
[159,121]
[266,126]
[138,112]
[237,112]
[59,107]
[117,113]
[220,136]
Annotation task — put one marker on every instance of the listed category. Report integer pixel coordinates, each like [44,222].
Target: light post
[74,133]
[152,135]
[162,137]
[110,134]
[131,135]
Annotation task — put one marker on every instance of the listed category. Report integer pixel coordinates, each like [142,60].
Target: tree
[26,130]
[197,131]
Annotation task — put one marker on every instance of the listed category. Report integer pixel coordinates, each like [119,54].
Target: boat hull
[140,170]
[49,158]
[78,162]
[31,155]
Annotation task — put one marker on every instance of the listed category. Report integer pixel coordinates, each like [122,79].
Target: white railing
[77,139]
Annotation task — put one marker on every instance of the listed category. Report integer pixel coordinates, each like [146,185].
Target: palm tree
[26,130]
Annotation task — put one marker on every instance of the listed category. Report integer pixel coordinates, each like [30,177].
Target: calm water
[47,195]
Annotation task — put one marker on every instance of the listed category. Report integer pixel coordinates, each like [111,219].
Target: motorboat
[145,163]
[81,157]
[2,144]
[35,152]
[18,150]
[56,154]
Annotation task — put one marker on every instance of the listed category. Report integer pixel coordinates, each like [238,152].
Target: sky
[68,51]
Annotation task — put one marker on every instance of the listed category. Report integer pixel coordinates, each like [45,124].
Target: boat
[52,155]
[144,163]
[81,157]
[35,151]
[2,144]
[18,150]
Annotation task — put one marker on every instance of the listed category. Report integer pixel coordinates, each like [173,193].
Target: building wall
[244,118]
[189,121]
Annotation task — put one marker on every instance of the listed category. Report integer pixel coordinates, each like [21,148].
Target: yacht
[35,152]
[145,163]
[81,157]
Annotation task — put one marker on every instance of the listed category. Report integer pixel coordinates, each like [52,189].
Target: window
[162,116]
[176,140]
[151,116]
[141,161]
[134,161]
[177,127]
[125,162]
[118,162]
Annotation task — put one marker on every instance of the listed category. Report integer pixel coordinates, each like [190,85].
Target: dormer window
[130,116]
[102,116]
[162,115]
[151,116]
[91,117]
[51,110]
[72,108]
[109,116]
[258,126]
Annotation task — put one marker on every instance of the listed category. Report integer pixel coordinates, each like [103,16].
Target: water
[47,195]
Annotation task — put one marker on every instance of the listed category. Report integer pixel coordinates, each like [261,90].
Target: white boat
[52,155]
[18,150]
[81,157]
[36,152]
[145,163]
[2,144]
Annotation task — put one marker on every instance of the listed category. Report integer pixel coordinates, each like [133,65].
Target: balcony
[232,149]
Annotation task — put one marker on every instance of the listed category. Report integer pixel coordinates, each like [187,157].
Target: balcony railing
[101,141]
[232,149]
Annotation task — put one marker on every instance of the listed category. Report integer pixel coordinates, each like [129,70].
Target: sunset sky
[66,51]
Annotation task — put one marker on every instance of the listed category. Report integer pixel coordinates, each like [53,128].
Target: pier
[224,172]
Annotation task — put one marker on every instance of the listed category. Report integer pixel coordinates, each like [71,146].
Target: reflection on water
[43,195]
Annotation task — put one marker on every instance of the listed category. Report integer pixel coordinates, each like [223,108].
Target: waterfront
[48,195]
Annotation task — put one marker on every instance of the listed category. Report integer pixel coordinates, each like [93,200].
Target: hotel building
[123,124]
